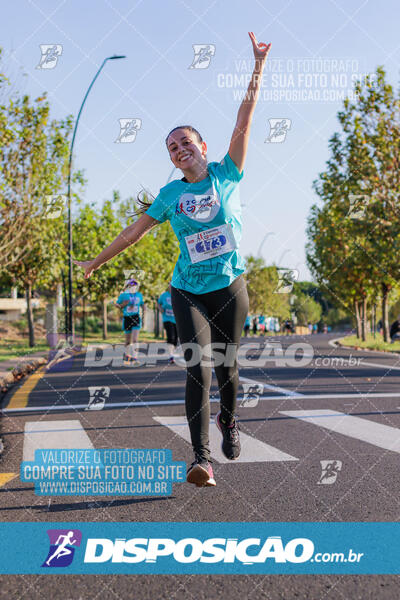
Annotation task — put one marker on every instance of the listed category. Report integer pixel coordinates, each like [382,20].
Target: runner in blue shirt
[165,304]
[209,295]
[130,301]
[247,324]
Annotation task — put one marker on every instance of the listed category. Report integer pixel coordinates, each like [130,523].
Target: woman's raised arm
[241,133]
[130,235]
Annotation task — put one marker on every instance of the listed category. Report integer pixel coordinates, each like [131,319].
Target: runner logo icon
[50,55]
[202,55]
[98,397]
[330,470]
[278,130]
[62,547]
[128,130]
[251,394]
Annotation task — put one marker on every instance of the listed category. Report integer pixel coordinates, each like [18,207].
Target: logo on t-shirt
[201,207]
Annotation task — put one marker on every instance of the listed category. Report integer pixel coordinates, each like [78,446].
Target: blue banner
[104,472]
[200,548]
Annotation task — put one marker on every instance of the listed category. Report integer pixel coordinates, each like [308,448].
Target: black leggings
[203,319]
[170,329]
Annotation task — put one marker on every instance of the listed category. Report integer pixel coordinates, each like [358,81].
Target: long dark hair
[192,129]
[145,199]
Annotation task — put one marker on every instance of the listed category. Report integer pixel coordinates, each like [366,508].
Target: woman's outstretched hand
[259,48]
[87,266]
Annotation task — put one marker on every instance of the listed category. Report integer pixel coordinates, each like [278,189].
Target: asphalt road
[295,424]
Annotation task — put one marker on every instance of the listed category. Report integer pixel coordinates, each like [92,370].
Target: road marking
[371,432]
[20,397]
[135,404]
[273,388]
[6,477]
[388,367]
[53,434]
[253,450]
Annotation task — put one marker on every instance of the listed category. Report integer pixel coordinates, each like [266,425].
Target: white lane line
[45,435]
[371,432]
[72,407]
[387,367]
[273,388]
[253,450]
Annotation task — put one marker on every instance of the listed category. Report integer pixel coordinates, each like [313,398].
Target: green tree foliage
[153,257]
[309,288]
[354,237]
[33,167]
[262,286]
[306,309]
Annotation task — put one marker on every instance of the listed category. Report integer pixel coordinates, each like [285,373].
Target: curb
[18,372]
[8,380]
[336,342]
[26,368]
[29,366]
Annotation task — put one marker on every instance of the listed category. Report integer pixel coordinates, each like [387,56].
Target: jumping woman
[209,296]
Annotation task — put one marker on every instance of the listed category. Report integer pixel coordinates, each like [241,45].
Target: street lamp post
[69,327]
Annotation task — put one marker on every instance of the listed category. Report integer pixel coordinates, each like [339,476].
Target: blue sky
[317,48]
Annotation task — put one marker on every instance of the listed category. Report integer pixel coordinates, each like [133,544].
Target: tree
[154,256]
[33,168]
[352,249]
[306,309]
[262,287]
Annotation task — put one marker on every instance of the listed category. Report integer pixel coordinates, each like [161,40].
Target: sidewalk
[14,369]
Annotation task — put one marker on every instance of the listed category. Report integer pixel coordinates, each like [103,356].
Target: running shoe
[171,360]
[200,473]
[230,438]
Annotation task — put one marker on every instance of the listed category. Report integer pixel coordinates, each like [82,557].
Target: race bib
[209,243]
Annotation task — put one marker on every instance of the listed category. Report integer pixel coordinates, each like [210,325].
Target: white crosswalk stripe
[377,434]
[71,434]
[43,435]
[253,450]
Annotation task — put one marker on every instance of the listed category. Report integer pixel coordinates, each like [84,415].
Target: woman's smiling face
[185,150]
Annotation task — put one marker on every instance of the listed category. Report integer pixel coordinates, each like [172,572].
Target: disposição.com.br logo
[63,543]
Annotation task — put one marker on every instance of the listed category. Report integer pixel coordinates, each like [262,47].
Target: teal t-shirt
[166,304]
[195,208]
[135,302]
